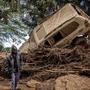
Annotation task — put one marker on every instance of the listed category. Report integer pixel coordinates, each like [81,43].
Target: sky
[17,44]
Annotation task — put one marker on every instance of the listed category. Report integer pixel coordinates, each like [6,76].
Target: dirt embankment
[2,55]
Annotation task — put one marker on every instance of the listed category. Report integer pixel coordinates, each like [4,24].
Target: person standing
[14,66]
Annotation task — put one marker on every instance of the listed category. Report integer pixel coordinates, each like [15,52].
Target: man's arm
[19,62]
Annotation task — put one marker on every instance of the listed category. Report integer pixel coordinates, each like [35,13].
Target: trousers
[14,80]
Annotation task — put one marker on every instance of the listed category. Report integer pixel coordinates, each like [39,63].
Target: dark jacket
[13,63]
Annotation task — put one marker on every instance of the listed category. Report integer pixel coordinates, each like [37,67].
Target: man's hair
[14,49]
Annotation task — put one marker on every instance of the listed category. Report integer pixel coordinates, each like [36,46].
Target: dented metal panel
[59,18]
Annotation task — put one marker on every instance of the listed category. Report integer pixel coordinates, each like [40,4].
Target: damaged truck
[60,29]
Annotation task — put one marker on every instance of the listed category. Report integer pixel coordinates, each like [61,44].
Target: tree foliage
[37,9]
[40,9]
[1,47]
[31,12]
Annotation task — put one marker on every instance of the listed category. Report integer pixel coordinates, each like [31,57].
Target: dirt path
[5,85]
[67,82]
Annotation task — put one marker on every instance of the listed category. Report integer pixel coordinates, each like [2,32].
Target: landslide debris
[55,68]
[45,63]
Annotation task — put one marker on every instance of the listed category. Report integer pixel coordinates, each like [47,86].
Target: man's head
[14,49]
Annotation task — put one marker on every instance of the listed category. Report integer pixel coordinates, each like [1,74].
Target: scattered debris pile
[46,63]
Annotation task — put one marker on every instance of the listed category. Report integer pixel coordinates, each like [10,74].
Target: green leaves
[1,2]
[1,47]
[14,29]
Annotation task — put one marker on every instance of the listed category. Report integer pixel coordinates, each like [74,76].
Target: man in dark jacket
[14,66]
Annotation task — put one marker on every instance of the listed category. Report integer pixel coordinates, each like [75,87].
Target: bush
[1,47]
[7,49]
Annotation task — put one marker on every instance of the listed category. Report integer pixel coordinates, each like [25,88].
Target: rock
[32,83]
[72,82]
[1,79]
[48,85]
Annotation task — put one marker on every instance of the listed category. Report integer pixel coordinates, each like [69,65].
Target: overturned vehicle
[60,29]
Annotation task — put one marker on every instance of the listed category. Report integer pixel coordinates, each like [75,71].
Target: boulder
[32,83]
[72,82]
